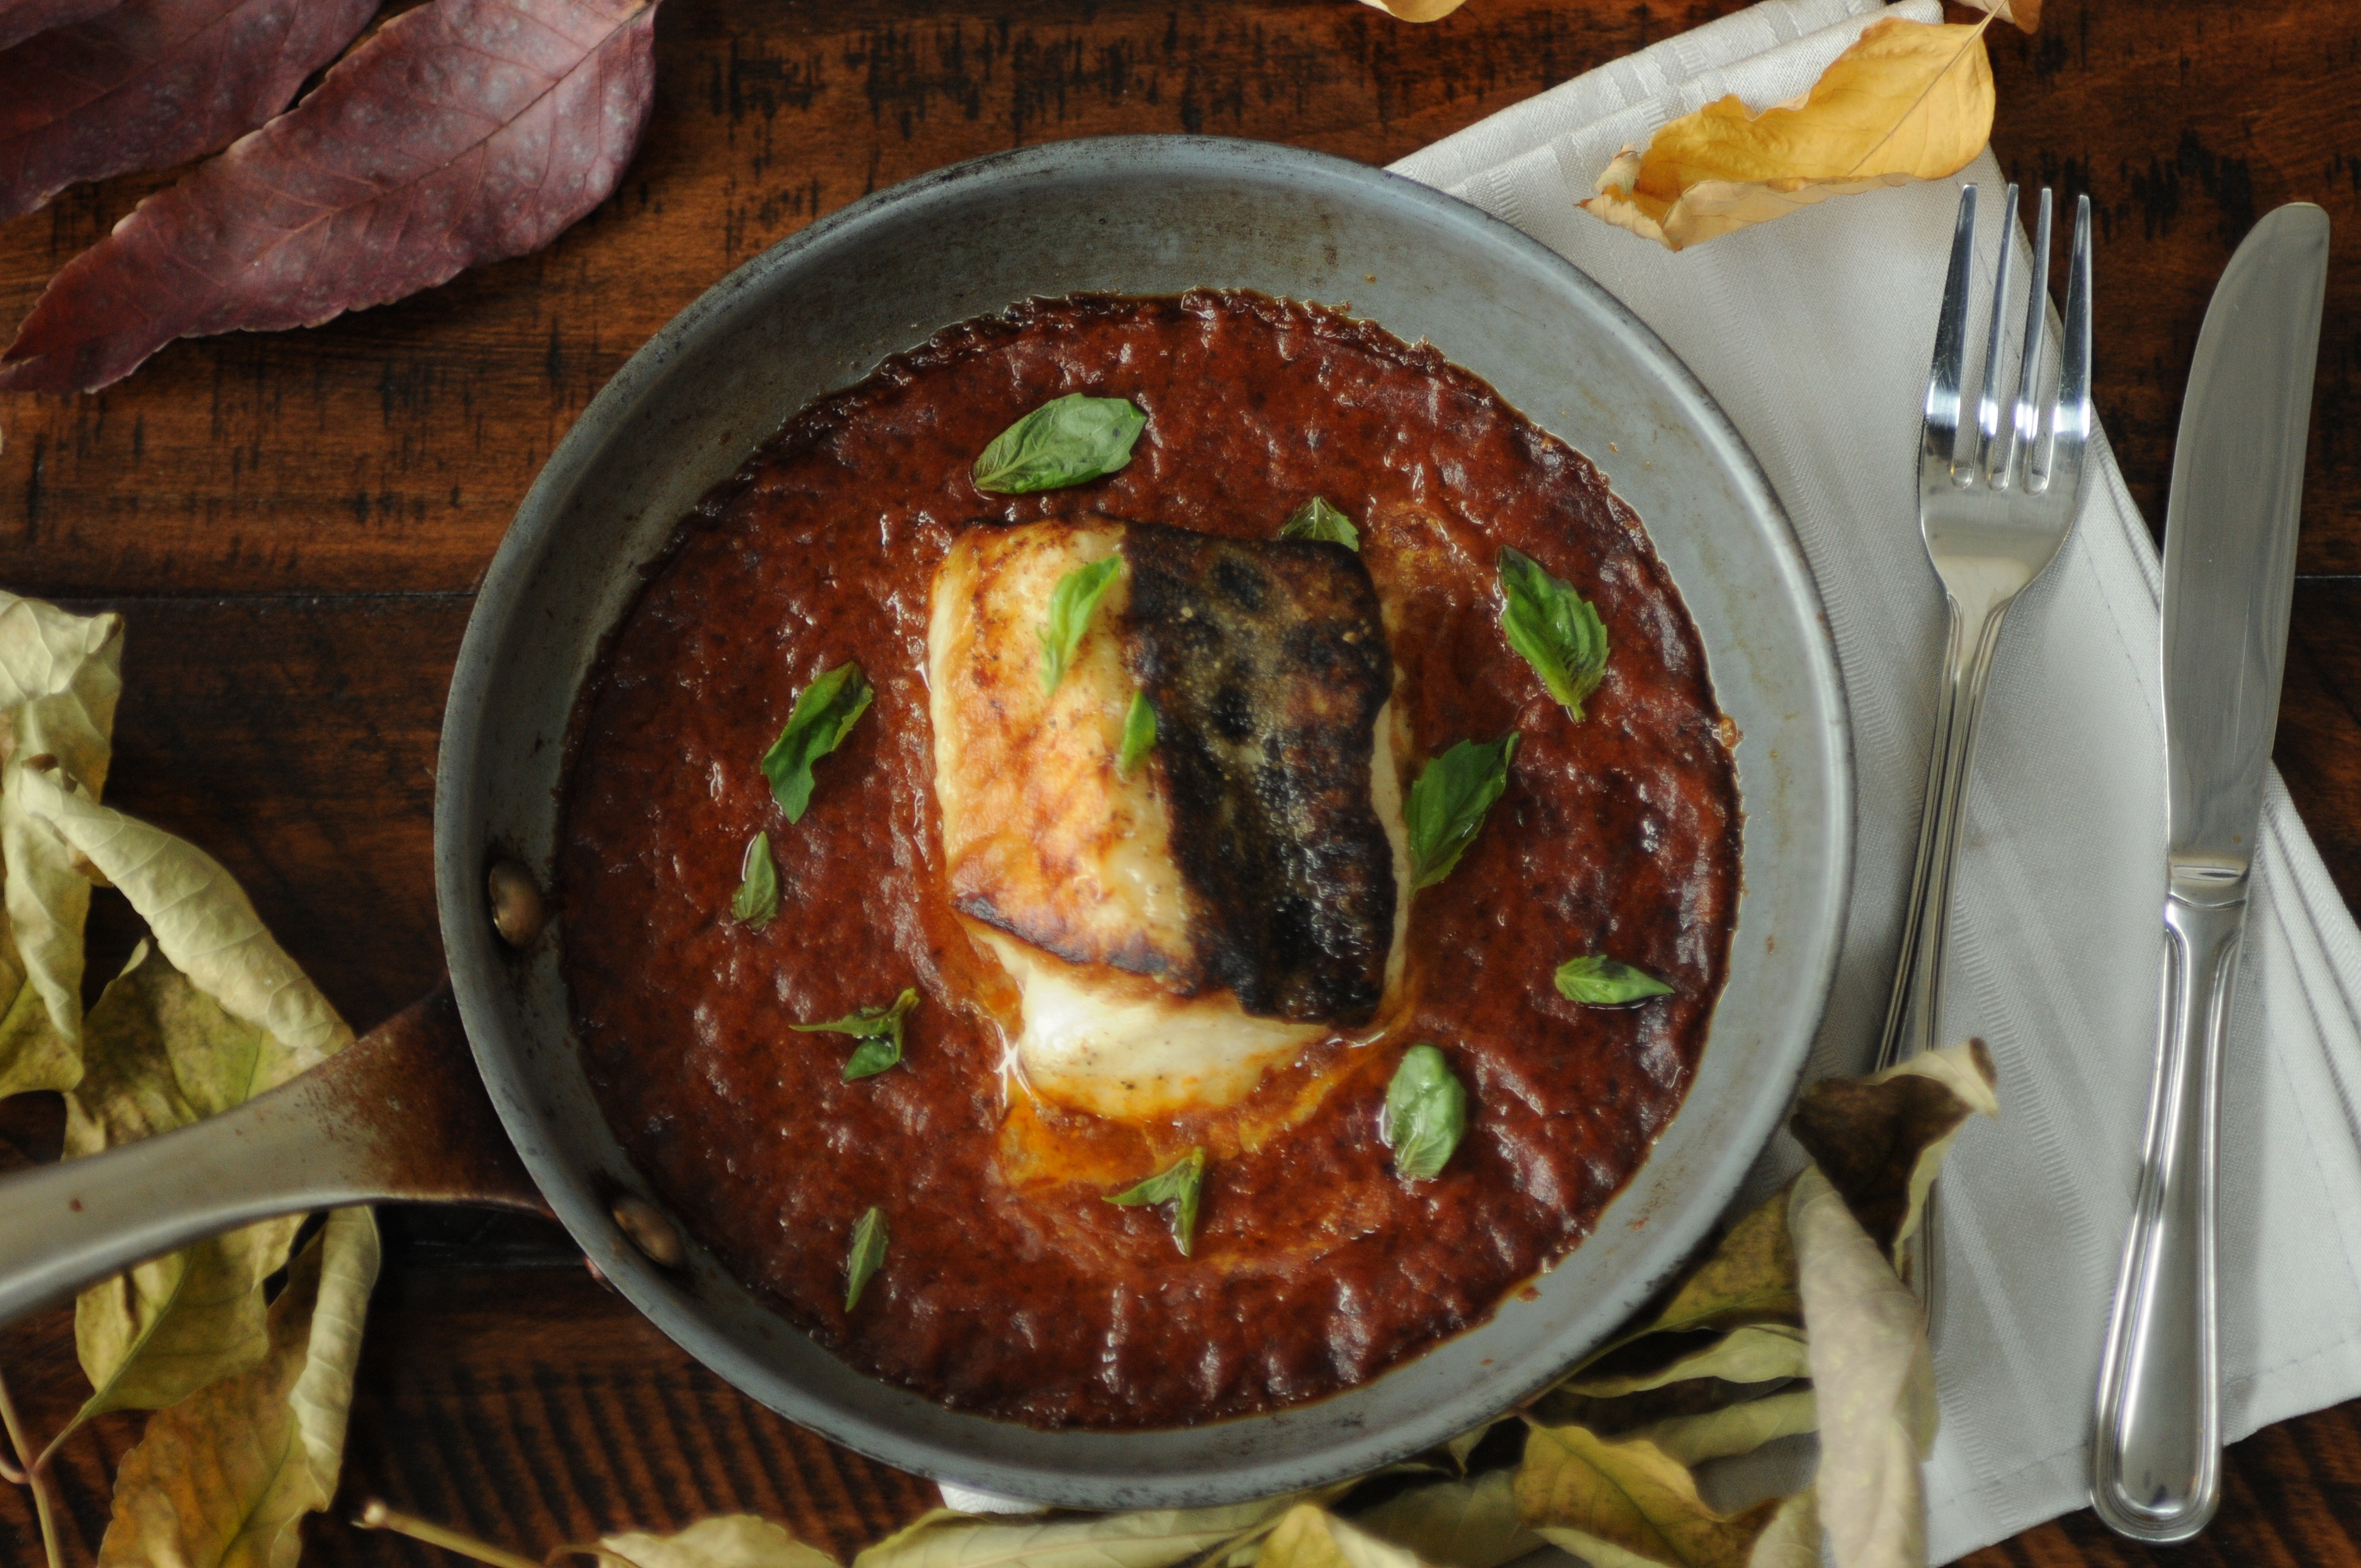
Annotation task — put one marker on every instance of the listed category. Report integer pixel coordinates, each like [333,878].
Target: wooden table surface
[294,524]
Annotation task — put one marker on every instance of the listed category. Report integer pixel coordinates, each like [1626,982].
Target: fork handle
[2156,1444]
[1914,1011]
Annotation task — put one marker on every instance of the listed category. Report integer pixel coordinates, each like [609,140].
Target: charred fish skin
[1268,663]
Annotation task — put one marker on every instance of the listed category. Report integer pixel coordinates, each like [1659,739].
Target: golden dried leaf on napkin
[1908,100]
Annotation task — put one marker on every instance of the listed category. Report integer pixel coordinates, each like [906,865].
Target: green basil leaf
[1316,519]
[1597,981]
[823,716]
[1447,804]
[868,1250]
[1554,627]
[757,900]
[1138,734]
[878,1028]
[1181,1184]
[870,1058]
[1067,441]
[1426,1112]
[1070,603]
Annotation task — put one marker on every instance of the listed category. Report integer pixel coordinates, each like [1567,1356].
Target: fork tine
[1987,462]
[2069,422]
[2018,464]
[1942,429]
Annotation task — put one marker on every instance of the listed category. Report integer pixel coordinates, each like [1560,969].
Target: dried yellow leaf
[1416,10]
[1734,1429]
[1470,1523]
[1311,1537]
[1908,100]
[202,921]
[1159,1539]
[60,676]
[161,1053]
[1873,1385]
[1631,1505]
[1765,1353]
[224,1478]
[731,1541]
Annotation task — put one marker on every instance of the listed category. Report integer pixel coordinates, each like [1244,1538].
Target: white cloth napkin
[1814,333]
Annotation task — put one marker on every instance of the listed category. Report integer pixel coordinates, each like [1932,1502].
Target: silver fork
[1994,510]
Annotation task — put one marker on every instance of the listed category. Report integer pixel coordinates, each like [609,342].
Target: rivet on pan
[650,1230]
[518,913]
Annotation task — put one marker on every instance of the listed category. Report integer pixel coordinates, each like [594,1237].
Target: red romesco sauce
[1011,1287]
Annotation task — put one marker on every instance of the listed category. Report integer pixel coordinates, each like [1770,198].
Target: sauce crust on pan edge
[1010,1287]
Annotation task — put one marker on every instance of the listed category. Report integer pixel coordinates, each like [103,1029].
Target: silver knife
[2229,570]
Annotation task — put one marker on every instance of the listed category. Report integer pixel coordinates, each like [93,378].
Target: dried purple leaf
[20,19]
[150,83]
[462,132]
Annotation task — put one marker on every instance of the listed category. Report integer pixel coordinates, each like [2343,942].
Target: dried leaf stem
[375,1515]
[30,1477]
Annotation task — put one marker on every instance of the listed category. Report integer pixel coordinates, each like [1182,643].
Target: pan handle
[400,1115]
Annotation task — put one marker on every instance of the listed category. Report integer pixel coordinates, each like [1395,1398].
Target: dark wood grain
[295,523]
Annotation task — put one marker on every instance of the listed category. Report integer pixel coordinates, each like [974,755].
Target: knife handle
[2156,1445]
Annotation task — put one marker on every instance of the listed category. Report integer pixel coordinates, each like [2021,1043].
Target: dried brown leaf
[150,84]
[1879,1140]
[20,19]
[1908,100]
[515,118]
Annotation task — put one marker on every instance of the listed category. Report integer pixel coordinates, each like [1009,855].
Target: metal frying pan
[391,1117]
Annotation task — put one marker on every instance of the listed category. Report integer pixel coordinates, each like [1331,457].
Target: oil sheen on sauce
[1011,1287]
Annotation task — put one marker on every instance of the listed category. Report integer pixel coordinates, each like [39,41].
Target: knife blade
[2229,574]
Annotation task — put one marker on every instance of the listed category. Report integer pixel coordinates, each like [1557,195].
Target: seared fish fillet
[1175,933]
